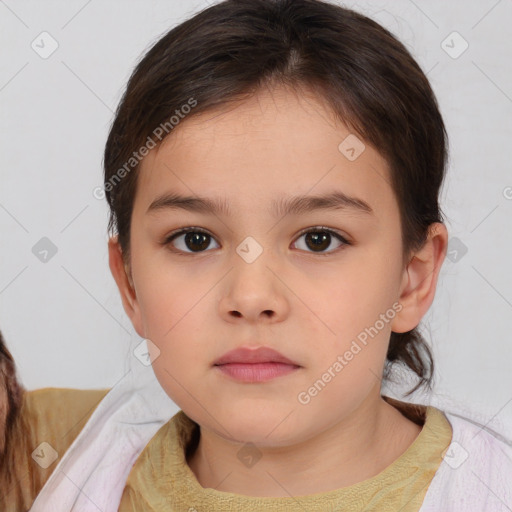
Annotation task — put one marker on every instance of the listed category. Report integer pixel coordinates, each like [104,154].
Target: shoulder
[59,413]
[94,469]
[480,444]
[476,471]
[49,421]
[41,400]
[487,453]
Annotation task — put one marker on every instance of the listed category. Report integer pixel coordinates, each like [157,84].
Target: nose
[253,292]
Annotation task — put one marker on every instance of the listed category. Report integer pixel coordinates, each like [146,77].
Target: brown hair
[364,74]
[11,424]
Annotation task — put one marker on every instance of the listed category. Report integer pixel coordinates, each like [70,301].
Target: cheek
[167,296]
[175,324]
[175,321]
[364,289]
[349,357]
[173,308]
[357,317]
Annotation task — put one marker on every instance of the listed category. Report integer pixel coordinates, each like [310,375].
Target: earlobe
[419,281]
[121,272]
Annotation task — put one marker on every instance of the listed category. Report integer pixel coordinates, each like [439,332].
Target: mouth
[255,365]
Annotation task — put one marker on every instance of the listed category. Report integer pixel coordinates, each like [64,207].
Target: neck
[356,448]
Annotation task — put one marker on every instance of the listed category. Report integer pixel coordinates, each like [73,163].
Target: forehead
[274,144]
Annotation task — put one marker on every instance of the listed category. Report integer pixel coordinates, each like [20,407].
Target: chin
[269,429]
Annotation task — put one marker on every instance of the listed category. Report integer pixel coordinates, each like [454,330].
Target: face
[311,284]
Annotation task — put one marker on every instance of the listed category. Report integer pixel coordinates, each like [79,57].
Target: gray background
[63,318]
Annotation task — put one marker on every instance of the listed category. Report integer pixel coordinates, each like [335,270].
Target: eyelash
[317,229]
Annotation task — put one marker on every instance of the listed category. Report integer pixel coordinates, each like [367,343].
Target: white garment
[476,475]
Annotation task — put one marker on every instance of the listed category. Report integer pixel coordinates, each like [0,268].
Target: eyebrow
[294,205]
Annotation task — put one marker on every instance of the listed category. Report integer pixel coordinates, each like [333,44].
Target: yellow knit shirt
[161,480]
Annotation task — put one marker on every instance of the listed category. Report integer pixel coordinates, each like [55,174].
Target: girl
[273,173]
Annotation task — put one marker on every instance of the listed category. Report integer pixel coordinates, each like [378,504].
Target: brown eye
[190,240]
[318,240]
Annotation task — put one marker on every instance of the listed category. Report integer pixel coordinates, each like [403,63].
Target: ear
[420,279]
[122,275]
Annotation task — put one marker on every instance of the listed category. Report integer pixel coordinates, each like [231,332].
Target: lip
[254,355]
[255,365]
